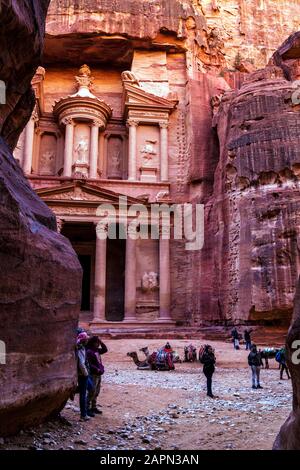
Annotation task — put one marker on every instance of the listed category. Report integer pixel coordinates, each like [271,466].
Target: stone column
[28,144]
[132,160]
[164,276]
[164,152]
[130,279]
[69,142]
[100,273]
[94,148]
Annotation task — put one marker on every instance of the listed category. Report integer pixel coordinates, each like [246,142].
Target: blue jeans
[248,345]
[83,385]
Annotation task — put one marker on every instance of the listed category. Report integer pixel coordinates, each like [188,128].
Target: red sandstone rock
[289,436]
[40,276]
[249,262]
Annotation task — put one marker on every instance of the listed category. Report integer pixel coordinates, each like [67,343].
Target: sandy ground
[170,410]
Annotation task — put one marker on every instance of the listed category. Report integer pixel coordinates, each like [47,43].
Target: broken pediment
[135,98]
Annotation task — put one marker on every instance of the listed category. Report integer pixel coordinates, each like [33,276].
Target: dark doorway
[85,262]
[115,280]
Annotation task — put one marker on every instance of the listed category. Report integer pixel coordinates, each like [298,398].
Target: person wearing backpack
[208,359]
[281,358]
[95,348]
[255,361]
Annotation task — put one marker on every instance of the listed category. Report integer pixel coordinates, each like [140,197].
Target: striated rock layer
[40,276]
[251,259]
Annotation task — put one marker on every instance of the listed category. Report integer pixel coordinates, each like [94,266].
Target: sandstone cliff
[252,224]
[40,275]
[289,436]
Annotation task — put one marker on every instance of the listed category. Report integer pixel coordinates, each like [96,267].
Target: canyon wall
[289,435]
[40,276]
[251,260]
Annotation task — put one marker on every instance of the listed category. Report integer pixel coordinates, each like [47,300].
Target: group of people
[236,336]
[90,370]
[255,362]
[255,358]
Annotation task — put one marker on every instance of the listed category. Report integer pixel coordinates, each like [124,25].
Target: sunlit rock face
[251,258]
[40,275]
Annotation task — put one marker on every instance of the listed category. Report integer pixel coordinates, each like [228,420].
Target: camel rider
[254,361]
[208,360]
[168,348]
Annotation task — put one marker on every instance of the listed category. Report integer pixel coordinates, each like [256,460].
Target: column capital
[67,121]
[163,125]
[35,115]
[101,230]
[59,223]
[97,123]
[132,122]
[132,230]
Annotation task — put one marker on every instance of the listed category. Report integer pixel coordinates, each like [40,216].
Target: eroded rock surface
[289,436]
[251,257]
[40,275]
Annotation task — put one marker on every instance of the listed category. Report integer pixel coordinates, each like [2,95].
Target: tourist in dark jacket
[95,348]
[235,338]
[208,360]
[282,362]
[255,361]
[247,338]
[83,374]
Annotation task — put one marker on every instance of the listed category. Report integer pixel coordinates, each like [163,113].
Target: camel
[175,355]
[141,365]
[190,353]
[268,353]
[151,362]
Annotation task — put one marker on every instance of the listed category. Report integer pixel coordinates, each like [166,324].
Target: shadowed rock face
[289,436]
[251,255]
[40,276]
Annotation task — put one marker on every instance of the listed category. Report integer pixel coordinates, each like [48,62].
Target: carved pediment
[80,192]
[137,98]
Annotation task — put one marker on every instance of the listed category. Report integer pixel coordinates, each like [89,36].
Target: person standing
[254,361]
[208,360]
[95,348]
[83,374]
[235,338]
[282,363]
[247,338]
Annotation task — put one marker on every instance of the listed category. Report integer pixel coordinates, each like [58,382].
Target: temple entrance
[115,280]
[83,239]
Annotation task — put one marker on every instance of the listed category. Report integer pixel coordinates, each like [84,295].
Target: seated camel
[190,353]
[175,356]
[154,361]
